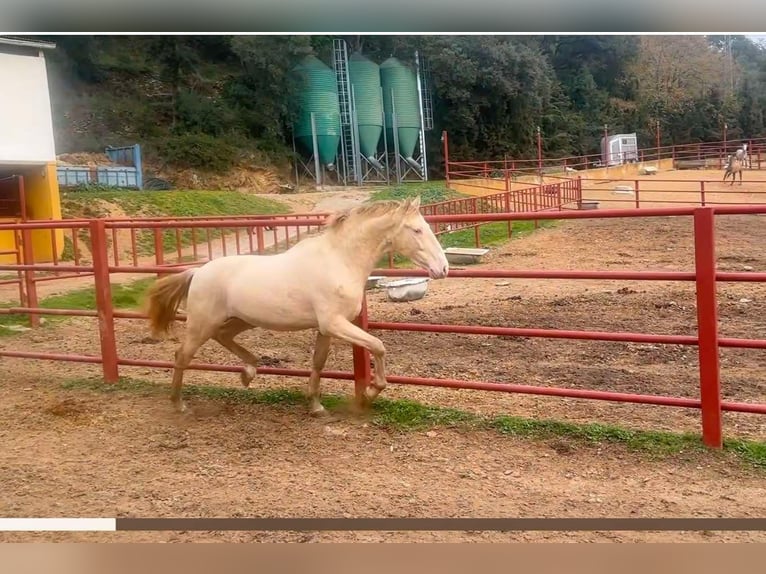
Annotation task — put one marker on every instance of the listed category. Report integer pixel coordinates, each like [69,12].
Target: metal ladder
[428,105]
[348,143]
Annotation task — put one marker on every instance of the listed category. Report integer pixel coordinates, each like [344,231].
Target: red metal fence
[705,276]
[700,192]
[697,154]
[172,244]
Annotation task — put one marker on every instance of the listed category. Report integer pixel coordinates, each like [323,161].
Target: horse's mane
[372,209]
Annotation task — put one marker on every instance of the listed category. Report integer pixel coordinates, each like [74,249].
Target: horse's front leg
[345,330]
[321,350]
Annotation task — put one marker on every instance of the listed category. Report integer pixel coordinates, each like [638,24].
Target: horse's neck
[362,246]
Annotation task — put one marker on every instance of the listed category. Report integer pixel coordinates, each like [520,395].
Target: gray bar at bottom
[441,524]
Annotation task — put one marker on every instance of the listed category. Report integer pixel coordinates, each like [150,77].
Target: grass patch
[491,234]
[124,296]
[434,192]
[408,415]
[429,192]
[177,203]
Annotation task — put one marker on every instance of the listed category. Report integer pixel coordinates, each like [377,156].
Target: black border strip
[442,524]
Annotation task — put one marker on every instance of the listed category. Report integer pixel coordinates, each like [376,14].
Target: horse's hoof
[180,407]
[247,375]
[372,392]
[318,412]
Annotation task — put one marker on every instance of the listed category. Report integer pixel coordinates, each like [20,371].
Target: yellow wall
[43,201]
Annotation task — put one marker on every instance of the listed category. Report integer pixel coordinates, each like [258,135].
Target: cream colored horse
[318,284]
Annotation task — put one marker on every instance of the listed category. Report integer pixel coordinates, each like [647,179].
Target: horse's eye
[418,230]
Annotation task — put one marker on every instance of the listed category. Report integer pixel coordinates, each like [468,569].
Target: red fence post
[159,248]
[29,275]
[707,326]
[103,289]
[702,193]
[362,370]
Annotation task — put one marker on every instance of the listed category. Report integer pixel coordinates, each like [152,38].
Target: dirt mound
[241,178]
[84,158]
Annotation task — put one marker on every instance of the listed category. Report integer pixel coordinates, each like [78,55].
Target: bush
[198,151]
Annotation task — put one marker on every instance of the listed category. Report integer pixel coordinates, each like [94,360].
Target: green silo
[397,77]
[364,76]
[319,95]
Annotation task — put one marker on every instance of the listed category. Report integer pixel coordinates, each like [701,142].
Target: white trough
[373,281]
[624,189]
[408,289]
[462,255]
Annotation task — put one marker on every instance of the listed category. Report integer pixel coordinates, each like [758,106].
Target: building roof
[27,42]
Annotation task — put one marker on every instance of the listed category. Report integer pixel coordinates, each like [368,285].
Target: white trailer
[618,149]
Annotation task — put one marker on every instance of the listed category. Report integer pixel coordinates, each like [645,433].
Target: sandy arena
[77,452]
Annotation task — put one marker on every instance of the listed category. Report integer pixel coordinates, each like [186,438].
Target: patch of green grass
[124,296]
[429,192]
[176,203]
[491,234]
[652,442]
[436,191]
[408,415]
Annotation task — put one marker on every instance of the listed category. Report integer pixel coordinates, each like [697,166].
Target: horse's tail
[163,299]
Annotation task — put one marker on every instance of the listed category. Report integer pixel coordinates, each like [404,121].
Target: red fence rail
[705,275]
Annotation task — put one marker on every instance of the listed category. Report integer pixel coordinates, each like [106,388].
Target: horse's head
[416,241]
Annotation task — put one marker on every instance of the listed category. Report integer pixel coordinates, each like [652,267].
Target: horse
[733,166]
[742,155]
[318,283]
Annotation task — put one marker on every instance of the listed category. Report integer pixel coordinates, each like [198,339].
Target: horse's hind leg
[321,351]
[225,337]
[194,339]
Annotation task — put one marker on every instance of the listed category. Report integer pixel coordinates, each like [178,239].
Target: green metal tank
[397,77]
[319,95]
[364,75]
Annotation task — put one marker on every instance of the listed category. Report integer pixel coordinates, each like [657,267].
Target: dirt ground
[682,186]
[227,460]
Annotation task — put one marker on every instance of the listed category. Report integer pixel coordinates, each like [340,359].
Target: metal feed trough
[408,289]
[465,255]
[373,281]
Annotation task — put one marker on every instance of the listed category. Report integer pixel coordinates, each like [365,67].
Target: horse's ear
[415,203]
[336,218]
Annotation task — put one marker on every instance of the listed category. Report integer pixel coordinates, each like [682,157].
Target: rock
[747,268]
[431,434]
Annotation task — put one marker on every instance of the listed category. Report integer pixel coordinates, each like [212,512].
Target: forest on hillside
[208,101]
